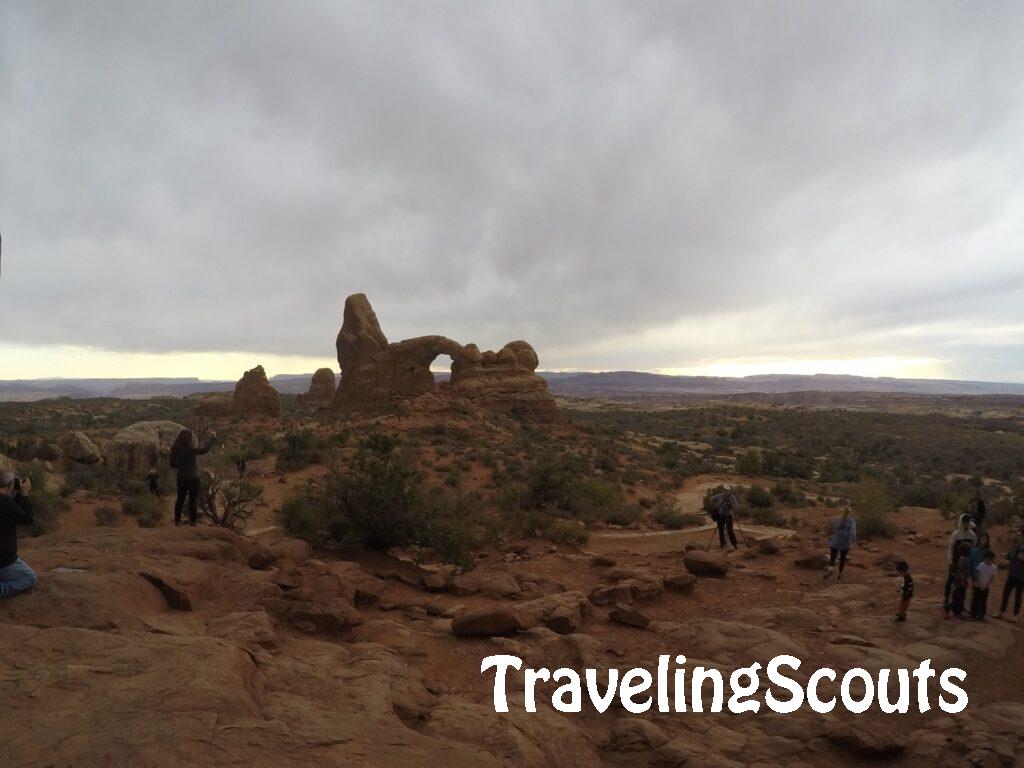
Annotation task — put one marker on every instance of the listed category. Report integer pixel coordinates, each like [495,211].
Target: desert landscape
[511,384]
[390,532]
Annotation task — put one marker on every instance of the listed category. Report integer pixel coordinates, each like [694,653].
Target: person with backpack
[723,512]
[184,459]
[844,535]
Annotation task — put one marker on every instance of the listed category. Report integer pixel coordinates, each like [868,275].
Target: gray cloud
[825,179]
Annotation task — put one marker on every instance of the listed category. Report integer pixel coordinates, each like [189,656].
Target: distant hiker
[240,465]
[976,510]
[961,578]
[983,579]
[153,482]
[1014,579]
[906,590]
[183,459]
[15,510]
[961,533]
[723,506]
[844,535]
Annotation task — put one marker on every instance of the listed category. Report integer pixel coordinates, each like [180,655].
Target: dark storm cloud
[830,179]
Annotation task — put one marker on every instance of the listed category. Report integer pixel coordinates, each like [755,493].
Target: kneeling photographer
[15,510]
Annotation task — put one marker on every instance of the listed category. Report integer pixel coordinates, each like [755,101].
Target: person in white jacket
[963,532]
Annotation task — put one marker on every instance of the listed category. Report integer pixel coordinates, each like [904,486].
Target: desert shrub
[255,447]
[305,517]
[786,493]
[148,510]
[872,507]
[749,463]
[674,520]
[758,497]
[380,503]
[298,449]
[107,516]
[47,504]
[768,516]
[228,502]
[566,533]
[622,515]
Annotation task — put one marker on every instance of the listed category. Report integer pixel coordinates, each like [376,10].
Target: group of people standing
[971,560]
[972,565]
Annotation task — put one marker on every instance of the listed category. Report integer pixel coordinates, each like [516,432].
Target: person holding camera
[184,458]
[15,510]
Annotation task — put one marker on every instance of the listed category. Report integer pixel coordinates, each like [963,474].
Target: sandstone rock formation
[142,445]
[375,372]
[254,396]
[79,448]
[321,389]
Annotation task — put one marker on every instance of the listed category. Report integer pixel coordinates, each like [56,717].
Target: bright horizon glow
[71,362]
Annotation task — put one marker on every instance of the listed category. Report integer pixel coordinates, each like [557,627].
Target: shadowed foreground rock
[375,372]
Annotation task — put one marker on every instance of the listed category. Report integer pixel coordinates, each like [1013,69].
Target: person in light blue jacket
[844,535]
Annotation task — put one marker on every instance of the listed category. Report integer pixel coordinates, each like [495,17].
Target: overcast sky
[725,187]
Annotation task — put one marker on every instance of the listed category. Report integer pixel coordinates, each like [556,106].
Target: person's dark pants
[187,488]
[833,552]
[950,584]
[957,598]
[725,525]
[1017,587]
[979,603]
[901,611]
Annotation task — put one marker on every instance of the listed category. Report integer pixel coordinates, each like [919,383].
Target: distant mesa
[321,389]
[254,395]
[375,372]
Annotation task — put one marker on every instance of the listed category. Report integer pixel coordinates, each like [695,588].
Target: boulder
[79,448]
[634,734]
[681,582]
[491,621]
[321,389]
[874,740]
[143,445]
[702,563]
[561,612]
[815,561]
[628,615]
[254,396]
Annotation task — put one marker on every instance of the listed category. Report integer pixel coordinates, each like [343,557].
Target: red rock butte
[375,372]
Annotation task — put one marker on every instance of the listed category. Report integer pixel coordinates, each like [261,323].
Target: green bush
[872,507]
[768,516]
[380,503]
[107,516]
[298,449]
[758,497]
[749,463]
[675,520]
[305,517]
[47,504]
[147,509]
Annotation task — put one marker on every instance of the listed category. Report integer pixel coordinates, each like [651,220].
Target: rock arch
[375,372]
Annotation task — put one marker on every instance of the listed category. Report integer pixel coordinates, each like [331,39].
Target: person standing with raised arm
[184,458]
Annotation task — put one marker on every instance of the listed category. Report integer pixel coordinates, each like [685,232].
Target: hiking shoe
[840,576]
[828,572]
[900,618]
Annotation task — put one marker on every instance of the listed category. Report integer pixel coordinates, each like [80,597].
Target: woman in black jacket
[183,459]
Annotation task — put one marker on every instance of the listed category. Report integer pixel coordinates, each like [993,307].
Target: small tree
[872,506]
[226,501]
